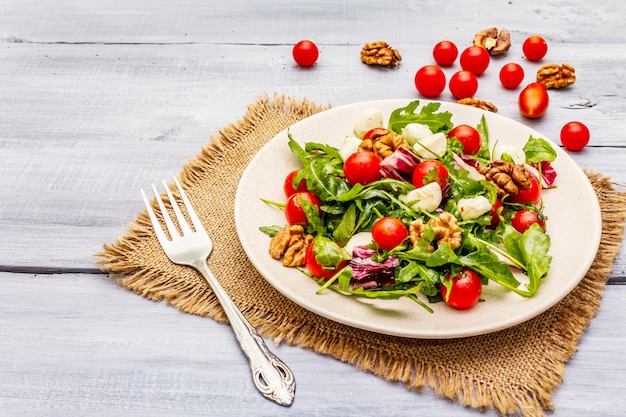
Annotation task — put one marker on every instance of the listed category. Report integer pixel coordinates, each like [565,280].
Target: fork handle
[270,375]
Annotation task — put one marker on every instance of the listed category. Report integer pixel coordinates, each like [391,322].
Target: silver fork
[270,375]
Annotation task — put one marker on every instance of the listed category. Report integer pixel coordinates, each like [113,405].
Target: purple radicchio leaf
[400,164]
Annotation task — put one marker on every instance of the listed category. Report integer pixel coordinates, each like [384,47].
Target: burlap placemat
[514,371]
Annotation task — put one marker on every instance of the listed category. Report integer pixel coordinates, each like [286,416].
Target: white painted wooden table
[100,98]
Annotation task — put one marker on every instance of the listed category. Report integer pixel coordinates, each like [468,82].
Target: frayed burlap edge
[373,353]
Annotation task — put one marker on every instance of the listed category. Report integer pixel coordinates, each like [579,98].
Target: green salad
[417,207]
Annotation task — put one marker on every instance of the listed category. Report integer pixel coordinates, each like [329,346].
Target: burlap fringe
[383,360]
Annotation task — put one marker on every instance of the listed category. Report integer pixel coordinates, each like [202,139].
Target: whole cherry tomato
[430,81]
[445,53]
[288,187]
[530,195]
[294,213]
[535,48]
[533,101]
[429,171]
[468,136]
[465,290]
[475,59]
[523,219]
[389,232]
[574,136]
[362,167]
[511,75]
[316,269]
[305,53]
[463,84]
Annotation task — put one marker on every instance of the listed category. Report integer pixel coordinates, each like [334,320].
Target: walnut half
[380,53]
[291,245]
[383,143]
[446,230]
[493,41]
[555,76]
[506,176]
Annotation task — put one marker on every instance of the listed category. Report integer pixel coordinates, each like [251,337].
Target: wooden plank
[76,344]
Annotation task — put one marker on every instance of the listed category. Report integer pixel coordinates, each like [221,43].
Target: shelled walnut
[291,244]
[446,230]
[481,104]
[383,143]
[506,176]
[380,53]
[493,41]
[554,76]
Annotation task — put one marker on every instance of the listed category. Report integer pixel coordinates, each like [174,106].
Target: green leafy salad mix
[448,212]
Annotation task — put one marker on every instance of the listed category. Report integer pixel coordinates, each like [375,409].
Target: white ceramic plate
[574,226]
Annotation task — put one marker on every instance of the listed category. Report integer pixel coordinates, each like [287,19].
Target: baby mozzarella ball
[358,239]
[367,120]
[473,207]
[414,132]
[426,198]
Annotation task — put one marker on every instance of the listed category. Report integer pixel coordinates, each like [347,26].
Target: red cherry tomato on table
[445,53]
[533,101]
[294,213]
[468,136]
[463,84]
[389,232]
[362,167]
[430,81]
[288,187]
[530,195]
[429,171]
[535,48]
[523,219]
[574,136]
[511,75]
[305,53]
[465,290]
[475,59]
[316,269]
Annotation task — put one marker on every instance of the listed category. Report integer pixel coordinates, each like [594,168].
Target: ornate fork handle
[271,376]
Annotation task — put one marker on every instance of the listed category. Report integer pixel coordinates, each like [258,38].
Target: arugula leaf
[533,246]
[483,130]
[538,150]
[437,122]
[347,226]
[327,253]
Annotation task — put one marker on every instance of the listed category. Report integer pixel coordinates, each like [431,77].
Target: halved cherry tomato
[465,290]
[468,136]
[574,136]
[530,195]
[362,167]
[389,232]
[316,269]
[294,213]
[535,47]
[463,84]
[430,81]
[475,59]
[305,53]
[523,219]
[377,131]
[496,212]
[428,171]
[511,75]
[533,100]
[288,187]
[445,53]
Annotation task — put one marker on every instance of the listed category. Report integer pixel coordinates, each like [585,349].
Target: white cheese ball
[427,198]
[367,120]
[349,146]
[358,239]
[414,132]
[432,147]
[516,153]
[474,207]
